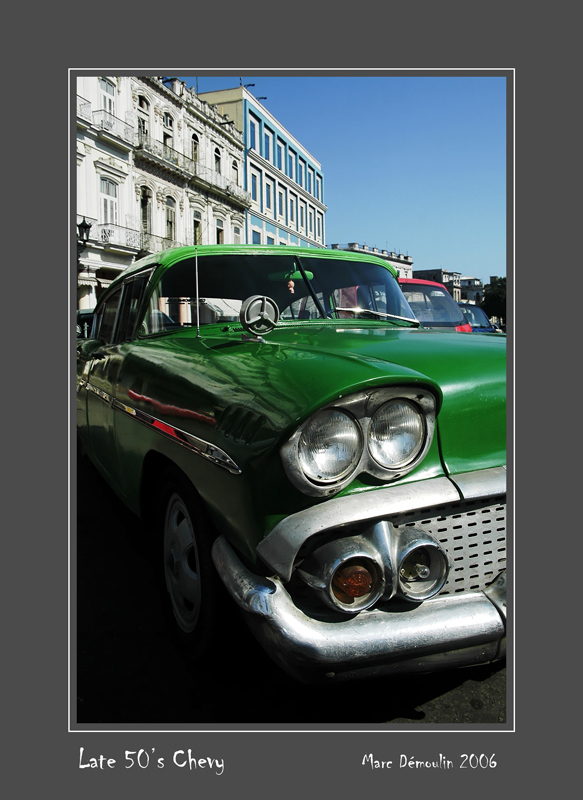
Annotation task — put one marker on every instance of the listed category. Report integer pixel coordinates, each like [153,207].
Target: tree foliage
[494,302]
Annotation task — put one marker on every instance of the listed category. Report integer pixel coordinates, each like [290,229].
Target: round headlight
[330,446]
[396,434]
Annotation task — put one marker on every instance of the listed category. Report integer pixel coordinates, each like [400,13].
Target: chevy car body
[280,419]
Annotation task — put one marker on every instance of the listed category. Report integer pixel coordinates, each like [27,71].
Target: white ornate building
[156,167]
[404,264]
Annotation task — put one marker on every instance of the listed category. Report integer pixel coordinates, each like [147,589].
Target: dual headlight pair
[384,433]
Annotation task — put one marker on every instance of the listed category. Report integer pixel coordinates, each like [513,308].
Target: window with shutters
[108,201]
[170,218]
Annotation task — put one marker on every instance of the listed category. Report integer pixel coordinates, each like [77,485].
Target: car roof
[424,282]
[168,257]
[421,280]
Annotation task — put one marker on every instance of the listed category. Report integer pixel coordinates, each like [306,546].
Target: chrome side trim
[281,546]
[481,483]
[193,443]
[439,633]
[107,398]
[188,440]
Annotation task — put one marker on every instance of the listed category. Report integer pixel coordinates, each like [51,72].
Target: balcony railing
[192,169]
[105,121]
[107,233]
[110,234]
[215,179]
[165,153]
[83,108]
[154,244]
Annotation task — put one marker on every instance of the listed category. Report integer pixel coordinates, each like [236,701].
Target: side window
[304,308]
[130,305]
[107,316]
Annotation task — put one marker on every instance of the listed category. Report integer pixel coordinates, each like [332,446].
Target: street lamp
[83,237]
[83,229]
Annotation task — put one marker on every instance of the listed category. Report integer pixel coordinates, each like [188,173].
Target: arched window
[146,209]
[167,134]
[170,218]
[108,201]
[143,117]
[219,230]
[107,91]
[235,173]
[195,144]
[196,228]
[217,160]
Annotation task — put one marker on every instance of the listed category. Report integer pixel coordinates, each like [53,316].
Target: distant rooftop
[364,248]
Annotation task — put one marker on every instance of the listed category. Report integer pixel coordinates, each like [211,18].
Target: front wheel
[189,573]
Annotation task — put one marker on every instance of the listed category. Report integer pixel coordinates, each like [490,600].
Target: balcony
[155,244]
[163,155]
[116,235]
[194,172]
[108,124]
[83,109]
[214,180]
[109,234]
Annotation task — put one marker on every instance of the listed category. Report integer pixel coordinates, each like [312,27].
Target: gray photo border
[43,751]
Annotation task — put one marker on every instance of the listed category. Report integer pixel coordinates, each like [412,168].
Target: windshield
[477,317]
[304,288]
[433,305]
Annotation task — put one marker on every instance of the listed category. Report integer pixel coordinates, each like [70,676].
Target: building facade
[451,280]
[404,264]
[157,167]
[285,183]
[472,290]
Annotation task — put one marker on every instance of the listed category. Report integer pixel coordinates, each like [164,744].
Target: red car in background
[433,305]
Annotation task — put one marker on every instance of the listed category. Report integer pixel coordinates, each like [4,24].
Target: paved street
[132,672]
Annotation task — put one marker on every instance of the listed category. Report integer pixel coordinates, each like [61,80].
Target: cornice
[110,167]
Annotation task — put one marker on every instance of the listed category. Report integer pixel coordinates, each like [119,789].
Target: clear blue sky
[411,164]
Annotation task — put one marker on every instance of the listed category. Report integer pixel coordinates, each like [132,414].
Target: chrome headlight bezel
[338,425]
[417,418]
[361,409]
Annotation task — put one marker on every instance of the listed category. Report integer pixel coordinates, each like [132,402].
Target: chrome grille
[473,535]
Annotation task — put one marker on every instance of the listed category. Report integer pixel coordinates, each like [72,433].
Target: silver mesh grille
[474,537]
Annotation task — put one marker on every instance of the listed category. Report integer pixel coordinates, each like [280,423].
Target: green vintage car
[282,422]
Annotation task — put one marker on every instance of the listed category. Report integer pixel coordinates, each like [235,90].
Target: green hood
[466,372]
[275,385]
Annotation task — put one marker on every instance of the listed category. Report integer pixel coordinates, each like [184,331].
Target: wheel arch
[155,466]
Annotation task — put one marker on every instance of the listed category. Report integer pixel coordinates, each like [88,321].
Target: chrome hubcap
[181,564]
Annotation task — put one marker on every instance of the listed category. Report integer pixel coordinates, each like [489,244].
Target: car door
[115,327]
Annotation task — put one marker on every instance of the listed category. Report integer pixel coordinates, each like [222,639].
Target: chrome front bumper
[439,633]
[458,628]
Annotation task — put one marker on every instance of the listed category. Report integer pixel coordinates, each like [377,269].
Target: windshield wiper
[311,288]
[382,314]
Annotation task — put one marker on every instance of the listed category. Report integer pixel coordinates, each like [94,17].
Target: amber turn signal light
[352,580]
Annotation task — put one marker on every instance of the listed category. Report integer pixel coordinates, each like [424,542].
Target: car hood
[466,372]
[275,384]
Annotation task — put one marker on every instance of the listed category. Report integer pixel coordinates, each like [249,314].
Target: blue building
[284,180]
